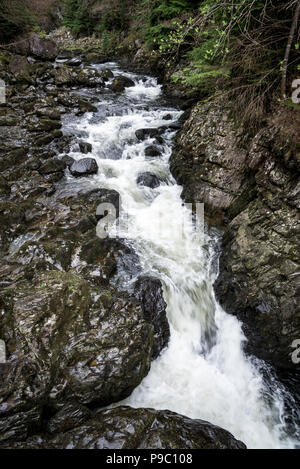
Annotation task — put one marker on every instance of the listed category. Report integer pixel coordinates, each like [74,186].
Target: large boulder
[120,83]
[251,190]
[149,180]
[42,48]
[142,134]
[65,76]
[67,343]
[126,428]
[150,293]
[84,167]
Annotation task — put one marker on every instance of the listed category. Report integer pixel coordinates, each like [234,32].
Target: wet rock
[251,190]
[152,151]
[209,162]
[127,428]
[19,65]
[41,48]
[89,77]
[84,167]
[4,187]
[52,166]
[120,83]
[48,113]
[65,347]
[48,125]
[142,134]
[74,62]
[68,160]
[148,180]
[106,74]
[86,106]
[150,293]
[85,147]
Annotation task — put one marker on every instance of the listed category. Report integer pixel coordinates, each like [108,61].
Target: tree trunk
[288,49]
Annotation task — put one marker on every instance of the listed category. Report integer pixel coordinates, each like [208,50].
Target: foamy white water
[216,383]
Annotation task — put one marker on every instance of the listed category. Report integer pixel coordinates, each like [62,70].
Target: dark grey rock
[148,180]
[120,83]
[142,134]
[150,293]
[127,428]
[85,147]
[84,167]
[152,151]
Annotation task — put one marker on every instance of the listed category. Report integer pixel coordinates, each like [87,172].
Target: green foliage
[77,16]
[15,18]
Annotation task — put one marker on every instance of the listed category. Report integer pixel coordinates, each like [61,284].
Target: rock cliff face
[251,191]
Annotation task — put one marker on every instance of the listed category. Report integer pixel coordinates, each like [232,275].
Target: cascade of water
[216,382]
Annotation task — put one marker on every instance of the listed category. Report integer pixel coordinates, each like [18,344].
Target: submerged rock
[66,343]
[150,293]
[120,83]
[148,180]
[126,428]
[85,147]
[152,151]
[84,167]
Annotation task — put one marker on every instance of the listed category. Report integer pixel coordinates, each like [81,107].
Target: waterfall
[203,373]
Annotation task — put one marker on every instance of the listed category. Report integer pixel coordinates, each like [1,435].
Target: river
[203,373]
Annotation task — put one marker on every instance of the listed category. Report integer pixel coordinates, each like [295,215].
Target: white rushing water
[218,384]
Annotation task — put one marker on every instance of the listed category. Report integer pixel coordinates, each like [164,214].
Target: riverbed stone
[85,147]
[152,151]
[84,167]
[142,134]
[120,83]
[149,180]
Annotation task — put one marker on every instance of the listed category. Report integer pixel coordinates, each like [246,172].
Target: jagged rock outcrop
[67,341]
[76,427]
[252,192]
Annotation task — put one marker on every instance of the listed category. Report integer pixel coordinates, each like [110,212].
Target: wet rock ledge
[76,427]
